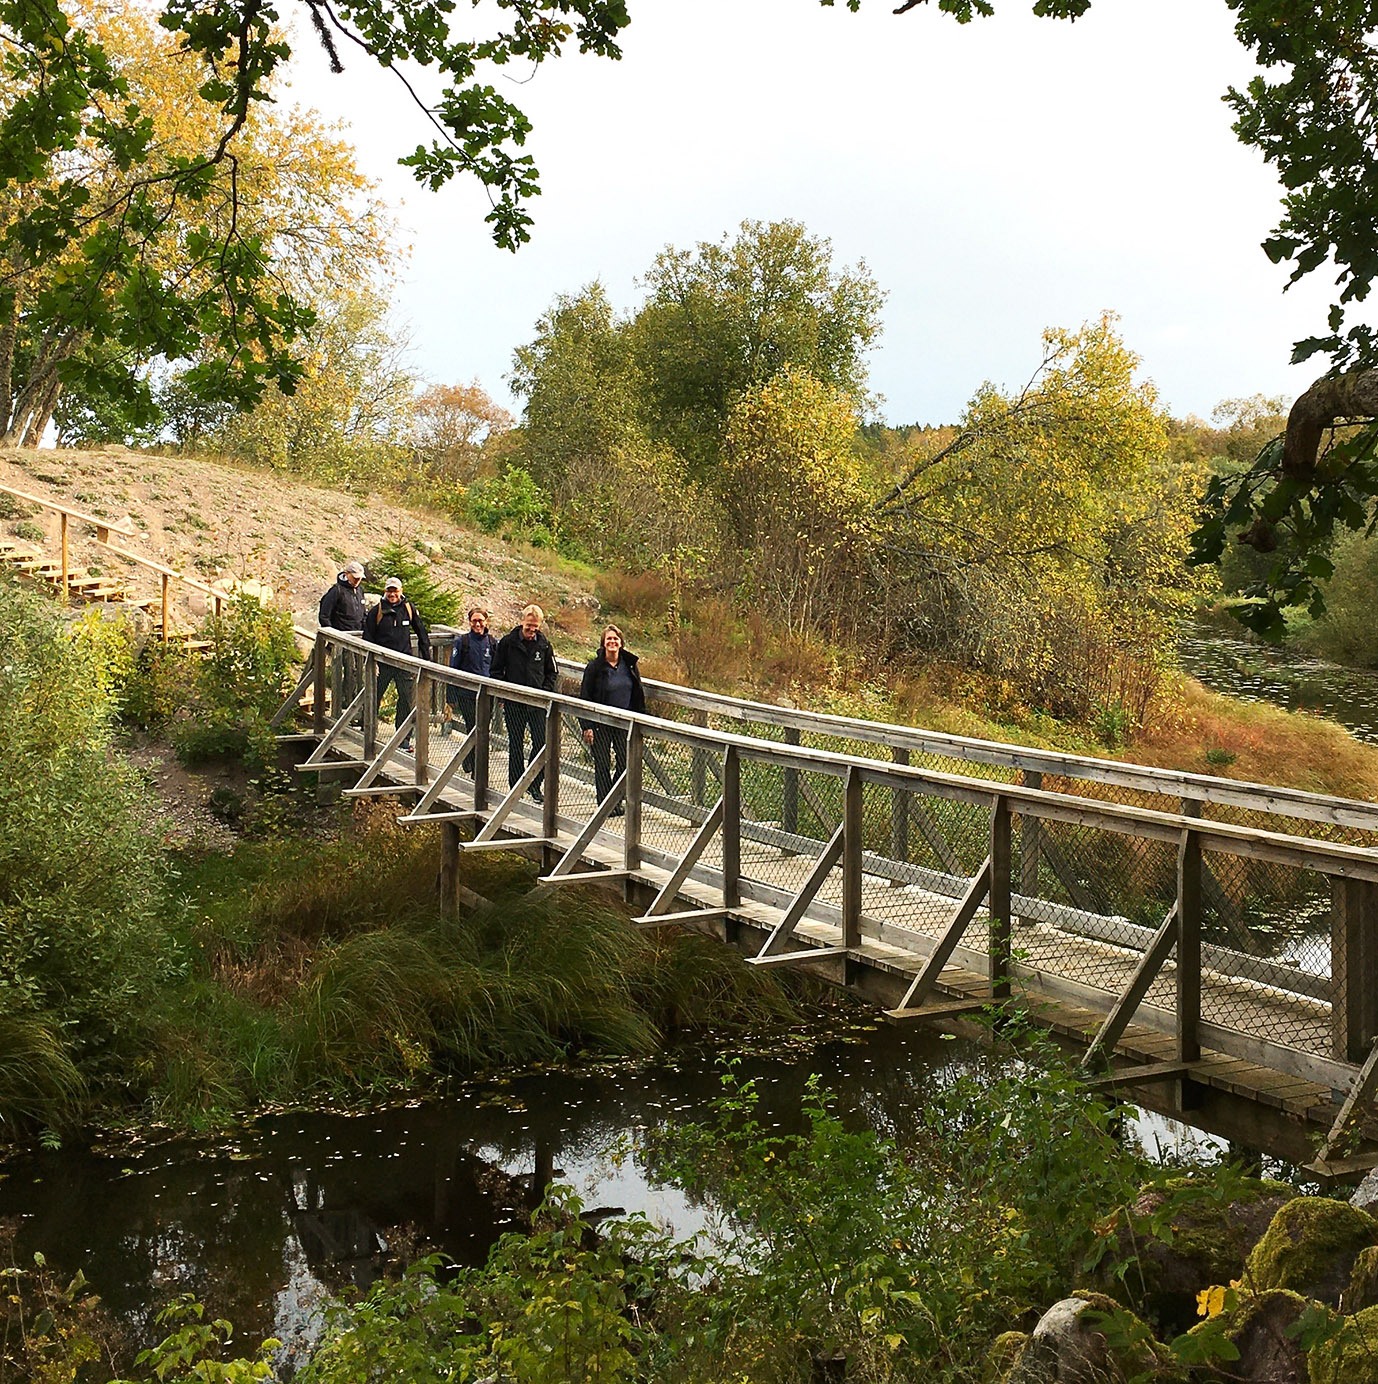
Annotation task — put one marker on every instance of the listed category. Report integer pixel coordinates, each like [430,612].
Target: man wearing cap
[342,607]
[390,625]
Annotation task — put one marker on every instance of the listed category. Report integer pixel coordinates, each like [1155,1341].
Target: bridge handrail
[1259,797]
[1327,857]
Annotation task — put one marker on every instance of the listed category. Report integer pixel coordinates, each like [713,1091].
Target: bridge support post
[1353,968]
[421,734]
[449,867]
[318,687]
[853,826]
[631,798]
[998,904]
[789,793]
[1188,950]
[550,789]
[369,716]
[731,828]
[483,725]
[899,812]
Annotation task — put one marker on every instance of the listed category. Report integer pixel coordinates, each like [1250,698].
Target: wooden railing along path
[1187,932]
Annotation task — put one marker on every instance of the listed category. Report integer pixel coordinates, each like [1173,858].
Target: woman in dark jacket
[610,679]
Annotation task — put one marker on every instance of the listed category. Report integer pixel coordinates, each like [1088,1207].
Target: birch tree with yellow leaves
[288,210]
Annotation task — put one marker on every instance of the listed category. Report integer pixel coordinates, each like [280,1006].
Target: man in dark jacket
[390,625]
[472,653]
[342,607]
[611,679]
[524,657]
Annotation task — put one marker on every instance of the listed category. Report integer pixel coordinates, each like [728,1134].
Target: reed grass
[39,1082]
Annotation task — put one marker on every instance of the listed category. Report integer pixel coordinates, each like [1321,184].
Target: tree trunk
[1350,397]
[9,332]
[42,413]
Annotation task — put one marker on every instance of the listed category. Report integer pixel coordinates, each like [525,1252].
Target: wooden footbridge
[1210,945]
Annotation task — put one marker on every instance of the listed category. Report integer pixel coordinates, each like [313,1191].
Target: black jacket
[342,607]
[392,626]
[526,662]
[594,687]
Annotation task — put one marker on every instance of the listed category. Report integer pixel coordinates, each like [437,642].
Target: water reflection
[265,1226]
[1258,672]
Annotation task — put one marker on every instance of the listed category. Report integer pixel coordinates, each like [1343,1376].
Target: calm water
[1258,672]
[265,1225]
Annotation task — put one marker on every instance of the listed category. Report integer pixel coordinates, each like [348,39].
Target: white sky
[997,178]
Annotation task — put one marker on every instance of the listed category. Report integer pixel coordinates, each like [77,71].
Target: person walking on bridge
[611,678]
[472,653]
[391,625]
[524,657]
[342,607]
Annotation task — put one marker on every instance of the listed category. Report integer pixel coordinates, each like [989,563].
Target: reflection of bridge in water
[1211,945]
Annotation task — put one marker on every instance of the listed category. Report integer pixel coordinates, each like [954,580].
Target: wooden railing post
[631,825]
[166,581]
[550,788]
[66,564]
[1189,947]
[318,686]
[1353,968]
[484,710]
[731,828]
[789,802]
[1030,840]
[698,764]
[853,827]
[899,812]
[421,733]
[999,902]
[368,719]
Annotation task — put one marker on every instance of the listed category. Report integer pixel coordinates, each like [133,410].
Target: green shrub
[514,505]
[82,942]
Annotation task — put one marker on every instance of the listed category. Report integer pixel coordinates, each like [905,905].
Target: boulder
[1259,1329]
[1179,1237]
[1310,1247]
[1366,1194]
[1350,1355]
[1071,1346]
[1362,1292]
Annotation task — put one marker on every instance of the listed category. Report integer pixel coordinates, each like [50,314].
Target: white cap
[355,568]
[393,584]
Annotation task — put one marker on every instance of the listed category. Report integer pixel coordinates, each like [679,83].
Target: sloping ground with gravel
[218,521]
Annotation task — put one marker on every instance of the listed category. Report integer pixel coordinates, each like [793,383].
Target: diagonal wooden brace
[1156,953]
[514,795]
[662,901]
[565,865]
[947,943]
[798,905]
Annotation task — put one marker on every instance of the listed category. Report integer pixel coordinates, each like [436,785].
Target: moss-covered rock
[1350,1356]
[1091,1339]
[1310,1247]
[1258,1329]
[1363,1282]
[1180,1236]
[1004,1354]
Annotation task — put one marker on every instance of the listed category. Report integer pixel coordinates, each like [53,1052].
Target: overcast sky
[997,178]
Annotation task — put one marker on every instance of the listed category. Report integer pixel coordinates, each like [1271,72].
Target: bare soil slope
[215,520]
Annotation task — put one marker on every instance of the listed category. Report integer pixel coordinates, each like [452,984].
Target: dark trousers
[402,681]
[520,719]
[467,702]
[607,744]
